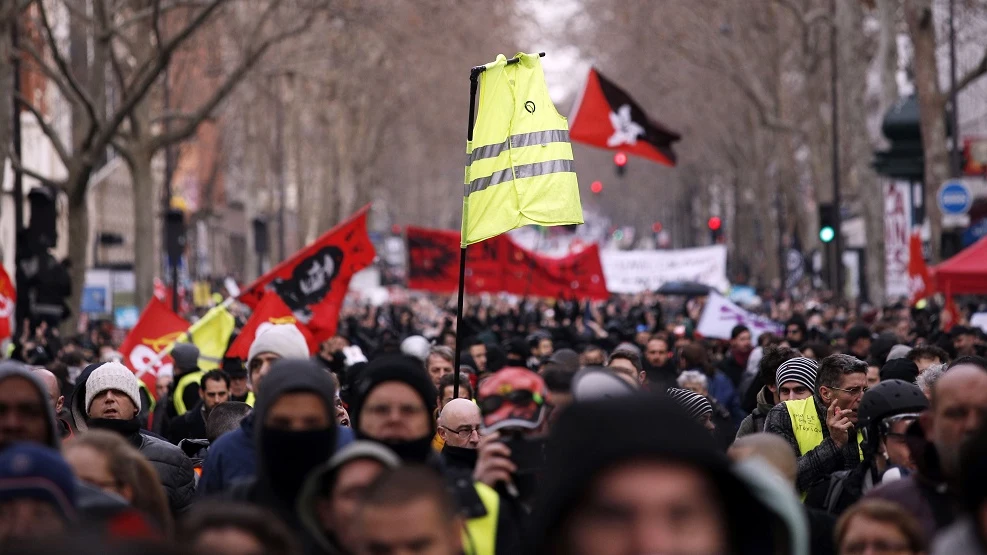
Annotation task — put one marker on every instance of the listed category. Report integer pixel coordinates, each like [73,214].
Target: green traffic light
[826,234]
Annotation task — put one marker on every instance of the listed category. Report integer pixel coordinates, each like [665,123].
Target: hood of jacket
[80,412]
[576,456]
[321,480]
[961,537]
[765,400]
[9,369]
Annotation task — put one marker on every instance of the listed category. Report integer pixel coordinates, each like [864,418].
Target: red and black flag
[607,117]
[313,282]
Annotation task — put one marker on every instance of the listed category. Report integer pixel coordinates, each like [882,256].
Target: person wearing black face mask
[393,404]
[295,432]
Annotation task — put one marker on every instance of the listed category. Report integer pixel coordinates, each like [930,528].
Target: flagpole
[474,84]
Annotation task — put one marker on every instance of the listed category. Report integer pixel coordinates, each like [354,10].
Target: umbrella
[684,288]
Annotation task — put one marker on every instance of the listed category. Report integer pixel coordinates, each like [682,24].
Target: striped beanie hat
[695,404]
[800,370]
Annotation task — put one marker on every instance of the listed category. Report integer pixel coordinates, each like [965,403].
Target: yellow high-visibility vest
[808,428]
[188,380]
[480,535]
[519,168]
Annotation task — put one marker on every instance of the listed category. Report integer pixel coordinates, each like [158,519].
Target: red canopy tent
[965,273]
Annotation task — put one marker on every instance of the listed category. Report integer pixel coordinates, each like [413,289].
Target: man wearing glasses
[822,428]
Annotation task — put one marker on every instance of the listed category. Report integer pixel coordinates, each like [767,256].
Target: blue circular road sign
[954,198]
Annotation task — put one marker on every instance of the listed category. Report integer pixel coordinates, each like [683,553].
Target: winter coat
[191,425]
[232,457]
[826,458]
[732,369]
[754,422]
[721,389]
[174,469]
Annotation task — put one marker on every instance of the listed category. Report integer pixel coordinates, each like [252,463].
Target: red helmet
[512,397]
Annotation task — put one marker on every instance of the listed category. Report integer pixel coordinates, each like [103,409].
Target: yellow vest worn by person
[808,428]
[188,380]
[519,169]
[480,535]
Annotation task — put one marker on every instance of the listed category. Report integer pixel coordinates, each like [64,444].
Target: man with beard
[214,388]
[958,406]
[822,428]
[294,432]
[735,361]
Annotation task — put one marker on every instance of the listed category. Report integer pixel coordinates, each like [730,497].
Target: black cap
[856,333]
[234,368]
[392,368]
[899,369]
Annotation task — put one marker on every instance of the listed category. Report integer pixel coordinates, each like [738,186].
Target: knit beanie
[392,368]
[116,376]
[800,370]
[899,351]
[416,346]
[31,471]
[695,404]
[284,340]
[595,382]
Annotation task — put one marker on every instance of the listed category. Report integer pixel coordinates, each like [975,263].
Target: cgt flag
[271,311]
[8,299]
[607,117]
[313,282]
[157,328]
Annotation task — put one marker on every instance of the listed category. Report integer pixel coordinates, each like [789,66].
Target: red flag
[500,265]
[919,279]
[8,300]
[314,281]
[157,328]
[607,117]
[271,311]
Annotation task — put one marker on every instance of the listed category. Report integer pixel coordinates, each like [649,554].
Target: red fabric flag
[500,265]
[157,328]
[271,311]
[8,300]
[314,281]
[607,117]
[919,279]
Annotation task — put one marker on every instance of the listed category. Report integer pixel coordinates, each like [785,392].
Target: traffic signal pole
[837,266]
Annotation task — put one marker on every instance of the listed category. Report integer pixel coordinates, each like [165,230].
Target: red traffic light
[714,223]
[596,187]
[656,227]
[620,159]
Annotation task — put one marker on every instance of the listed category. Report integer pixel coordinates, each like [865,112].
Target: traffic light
[174,235]
[260,236]
[827,223]
[620,162]
[42,227]
[715,225]
[656,227]
[596,187]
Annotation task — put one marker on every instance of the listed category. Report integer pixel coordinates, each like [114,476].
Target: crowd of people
[567,428]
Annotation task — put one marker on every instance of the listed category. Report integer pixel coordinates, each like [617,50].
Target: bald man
[459,424]
[777,453]
[55,398]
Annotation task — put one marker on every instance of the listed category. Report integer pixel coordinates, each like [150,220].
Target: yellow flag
[519,167]
[211,334]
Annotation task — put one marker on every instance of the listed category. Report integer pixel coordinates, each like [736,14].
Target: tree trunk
[932,103]
[78,220]
[144,223]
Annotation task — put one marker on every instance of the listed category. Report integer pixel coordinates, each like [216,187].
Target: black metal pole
[20,303]
[474,84]
[954,118]
[837,271]
[279,155]
[167,193]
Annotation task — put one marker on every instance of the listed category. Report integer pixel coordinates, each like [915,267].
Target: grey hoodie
[88,498]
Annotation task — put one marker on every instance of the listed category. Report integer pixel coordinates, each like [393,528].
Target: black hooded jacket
[276,486]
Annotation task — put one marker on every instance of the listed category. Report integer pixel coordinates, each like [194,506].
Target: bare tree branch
[975,73]
[250,59]
[56,141]
[84,99]
[16,164]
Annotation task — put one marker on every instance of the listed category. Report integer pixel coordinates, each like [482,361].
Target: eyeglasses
[853,391]
[877,546]
[464,432]
[518,397]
